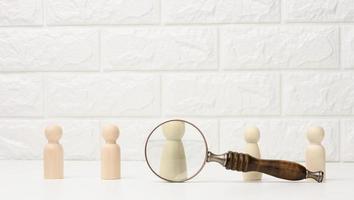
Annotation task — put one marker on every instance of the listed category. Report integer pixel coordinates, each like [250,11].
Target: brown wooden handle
[278,168]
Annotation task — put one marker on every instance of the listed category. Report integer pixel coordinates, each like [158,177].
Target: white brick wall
[221,94]
[279,46]
[165,48]
[101,94]
[319,10]
[215,11]
[281,65]
[47,49]
[83,12]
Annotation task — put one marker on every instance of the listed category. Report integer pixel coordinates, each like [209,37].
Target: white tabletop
[23,180]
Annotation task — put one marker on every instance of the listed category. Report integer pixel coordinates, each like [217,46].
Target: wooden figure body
[315,152]
[251,148]
[110,153]
[53,156]
[173,164]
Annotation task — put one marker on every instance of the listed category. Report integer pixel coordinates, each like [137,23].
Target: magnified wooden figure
[173,163]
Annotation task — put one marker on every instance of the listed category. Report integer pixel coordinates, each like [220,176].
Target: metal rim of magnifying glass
[205,157]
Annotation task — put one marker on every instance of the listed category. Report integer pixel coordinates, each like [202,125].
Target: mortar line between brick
[218,50]
[194,71]
[44,10]
[45,22]
[160,12]
[100,50]
[44,96]
[183,116]
[219,135]
[340,157]
[341,67]
[228,117]
[161,96]
[281,12]
[281,93]
[154,25]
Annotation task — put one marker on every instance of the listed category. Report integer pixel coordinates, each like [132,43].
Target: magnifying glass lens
[176,150]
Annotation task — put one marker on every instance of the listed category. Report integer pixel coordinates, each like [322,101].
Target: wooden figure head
[315,134]
[252,134]
[53,133]
[173,130]
[110,133]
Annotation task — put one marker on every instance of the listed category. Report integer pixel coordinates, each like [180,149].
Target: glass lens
[176,150]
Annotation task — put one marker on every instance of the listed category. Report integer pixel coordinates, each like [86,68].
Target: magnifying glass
[176,151]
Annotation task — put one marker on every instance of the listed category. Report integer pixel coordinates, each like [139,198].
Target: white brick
[319,10]
[134,132]
[21,139]
[280,139]
[20,12]
[347,47]
[318,93]
[226,11]
[80,140]
[347,137]
[102,12]
[279,47]
[48,50]
[221,94]
[159,48]
[21,95]
[102,95]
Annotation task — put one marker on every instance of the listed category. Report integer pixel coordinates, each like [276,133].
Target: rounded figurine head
[53,133]
[315,134]
[110,133]
[252,134]
[173,130]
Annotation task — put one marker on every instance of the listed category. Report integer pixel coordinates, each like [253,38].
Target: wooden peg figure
[110,153]
[53,156]
[251,148]
[315,152]
[173,164]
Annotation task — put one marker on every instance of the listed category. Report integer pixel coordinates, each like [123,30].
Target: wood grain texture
[277,168]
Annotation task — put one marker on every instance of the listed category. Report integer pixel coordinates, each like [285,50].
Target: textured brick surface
[21,95]
[319,10]
[102,95]
[221,94]
[21,139]
[279,138]
[347,143]
[282,65]
[102,12]
[215,11]
[314,93]
[156,48]
[48,50]
[245,47]
[20,12]
[347,44]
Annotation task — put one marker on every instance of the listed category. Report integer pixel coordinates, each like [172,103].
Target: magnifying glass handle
[277,168]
